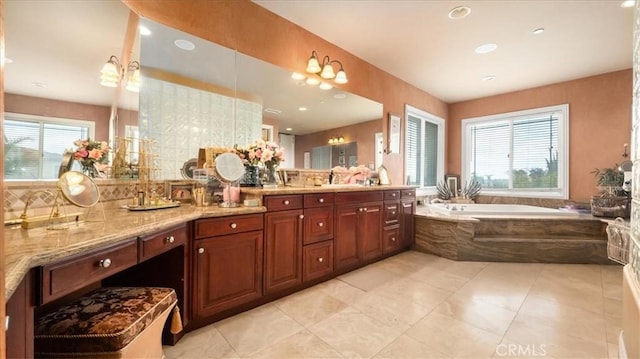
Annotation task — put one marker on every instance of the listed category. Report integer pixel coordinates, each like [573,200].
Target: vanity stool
[121,322]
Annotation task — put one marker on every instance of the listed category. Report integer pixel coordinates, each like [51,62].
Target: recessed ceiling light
[312,81]
[8,60]
[302,108]
[144,31]
[459,12]
[325,86]
[272,111]
[340,96]
[184,44]
[628,3]
[538,31]
[486,48]
[39,84]
[297,76]
[489,78]
[289,129]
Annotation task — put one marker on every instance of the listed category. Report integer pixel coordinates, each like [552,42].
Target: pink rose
[95,154]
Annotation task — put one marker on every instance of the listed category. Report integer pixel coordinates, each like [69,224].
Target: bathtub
[475,209]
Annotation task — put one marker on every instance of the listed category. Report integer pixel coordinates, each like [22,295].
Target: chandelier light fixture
[324,70]
[113,72]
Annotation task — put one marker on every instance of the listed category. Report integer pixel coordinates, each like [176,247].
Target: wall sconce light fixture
[324,70]
[112,72]
[336,140]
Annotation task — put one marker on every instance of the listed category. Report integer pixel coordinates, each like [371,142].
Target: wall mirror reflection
[53,96]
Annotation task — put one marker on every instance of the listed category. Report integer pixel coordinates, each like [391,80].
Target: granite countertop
[26,249]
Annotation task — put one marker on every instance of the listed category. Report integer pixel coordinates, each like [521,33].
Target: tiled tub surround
[548,239]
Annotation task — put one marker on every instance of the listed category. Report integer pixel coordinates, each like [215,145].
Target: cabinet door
[228,272]
[318,260]
[406,222]
[370,228]
[346,236]
[391,240]
[318,224]
[283,250]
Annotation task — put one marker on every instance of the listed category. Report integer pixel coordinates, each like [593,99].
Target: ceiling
[418,43]
[63,44]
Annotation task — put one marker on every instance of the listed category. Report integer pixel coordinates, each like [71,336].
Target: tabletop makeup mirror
[228,168]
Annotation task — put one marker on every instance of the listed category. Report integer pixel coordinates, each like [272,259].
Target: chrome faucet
[26,205]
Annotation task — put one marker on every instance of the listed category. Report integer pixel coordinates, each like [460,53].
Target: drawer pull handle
[233,226]
[170,239]
[286,202]
[301,216]
[393,239]
[320,259]
[321,200]
[393,213]
[393,194]
[105,263]
[200,250]
[320,224]
[365,209]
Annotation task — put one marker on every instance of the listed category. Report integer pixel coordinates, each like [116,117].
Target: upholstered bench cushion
[105,320]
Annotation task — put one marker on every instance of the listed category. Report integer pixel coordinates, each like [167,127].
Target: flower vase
[250,176]
[269,179]
[89,170]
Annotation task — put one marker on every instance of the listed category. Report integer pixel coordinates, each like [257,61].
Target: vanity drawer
[318,224]
[356,197]
[391,195]
[318,199]
[317,260]
[151,246]
[408,194]
[227,225]
[69,275]
[282,203]
[391,213]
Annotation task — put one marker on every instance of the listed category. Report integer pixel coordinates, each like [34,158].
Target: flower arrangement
[270,154]
[89,152]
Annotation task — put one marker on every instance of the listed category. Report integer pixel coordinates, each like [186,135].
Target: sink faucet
[26,204]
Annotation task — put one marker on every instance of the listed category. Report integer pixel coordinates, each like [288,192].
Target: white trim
[440,122]
[563,153]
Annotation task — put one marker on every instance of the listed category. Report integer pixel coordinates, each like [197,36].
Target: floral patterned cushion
[105,320]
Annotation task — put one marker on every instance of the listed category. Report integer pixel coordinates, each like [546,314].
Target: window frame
[440,156]
[41,121]
[563,150]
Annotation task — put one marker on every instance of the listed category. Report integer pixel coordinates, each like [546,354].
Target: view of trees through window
[33,147]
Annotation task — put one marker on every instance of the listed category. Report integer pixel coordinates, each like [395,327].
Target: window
[424,153]
[33,145]
[521,153]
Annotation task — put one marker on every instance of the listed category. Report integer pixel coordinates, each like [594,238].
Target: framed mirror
[79,189]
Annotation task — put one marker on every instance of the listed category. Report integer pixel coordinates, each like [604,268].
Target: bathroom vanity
[220,261]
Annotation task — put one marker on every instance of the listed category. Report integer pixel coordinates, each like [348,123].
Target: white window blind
[34,145]
[424,148]
[519,152]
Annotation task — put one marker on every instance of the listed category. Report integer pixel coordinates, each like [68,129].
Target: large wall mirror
[59,47]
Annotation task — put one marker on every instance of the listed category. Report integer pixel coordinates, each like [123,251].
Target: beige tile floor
[416,305]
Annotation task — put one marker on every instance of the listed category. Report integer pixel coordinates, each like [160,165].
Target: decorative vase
[89,170]
[269,178]
[250,178]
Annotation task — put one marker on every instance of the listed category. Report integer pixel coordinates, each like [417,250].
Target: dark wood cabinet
[358,228]
[227,272]
[407,210]
[20,317]
[283,250]
[317,260]
[318,224]
[391,239]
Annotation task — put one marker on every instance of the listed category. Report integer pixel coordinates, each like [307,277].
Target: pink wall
[61,109]
[599,123]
